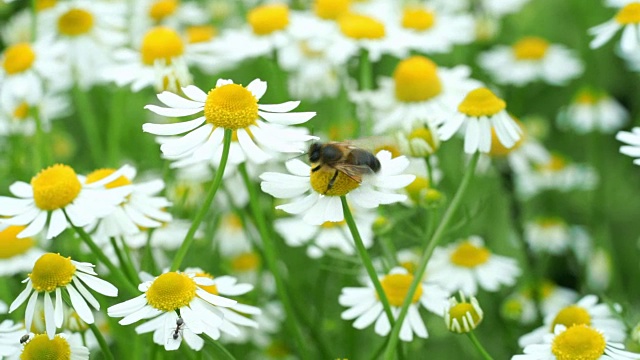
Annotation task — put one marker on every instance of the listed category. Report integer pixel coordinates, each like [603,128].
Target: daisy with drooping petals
[311,194]
[628,19]
[54,273]
[593,110]
[554,236]
[56,196]
[366,308]
[520,306]
[463,316]
[228,106]
[524,156]
[10,334]
[62,346]
[557,174]
[17,255]
[632,143]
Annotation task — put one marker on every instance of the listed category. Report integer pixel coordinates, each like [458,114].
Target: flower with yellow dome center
[17,112]
[17,255]
[62,346]
[51,275]
[267,19]
[557,173]
[593,110]
[467,265]
[627,19]
[55,193]
[364,306]
[169,296]
[9,332]
[463,316]
[331,9]
[549,234]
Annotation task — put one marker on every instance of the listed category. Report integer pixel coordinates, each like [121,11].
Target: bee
[178,329]
[344,158]
[24,339]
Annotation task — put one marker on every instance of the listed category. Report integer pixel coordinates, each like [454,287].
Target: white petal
[80,306]
[195,93]
[279,108]
[49,316]
[287,118]
[177,102]
[215,299]
[59,310]
[99,285]
[21,189]
[170,112]
[173,129]
[257,88]
[57,224]
[21,297]
[35,227]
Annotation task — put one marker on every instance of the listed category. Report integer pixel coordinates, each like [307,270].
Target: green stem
[216,344]
[90,123]
[388,250]
[116,249]
[148,262]
[101,341]
[34,19]
[435,239]
[427,161]
[485,355]
[365,71]
[129,260]
[270,255]
[115,125]
[41,154]
[366,260]
[188,240]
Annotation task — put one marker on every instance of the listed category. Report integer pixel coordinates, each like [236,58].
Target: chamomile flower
[61,346]
[228,106]
[10,334]
[593,110]
[53,273]
[554,236]
[524,156]
[168,294]
[468,265]
[55,196]
[175,14]
[311,196]
[17,255]
[17,113]
[367,32]
[463,316]
[478,113]
[231,237]
[557,174]
[627,19]
[364,306]
[631,139]
[521,307]
[531,59]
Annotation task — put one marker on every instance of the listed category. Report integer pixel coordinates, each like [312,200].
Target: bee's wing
[355,172]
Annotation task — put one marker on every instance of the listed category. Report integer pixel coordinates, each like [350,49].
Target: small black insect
[179,325]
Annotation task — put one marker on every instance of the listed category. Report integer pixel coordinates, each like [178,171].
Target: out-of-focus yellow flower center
[21,111]
[171,291]
[211,289]
[331,9]
[587,97]
[555,163]
[233,221]
[201,33]
[571,315]
[550,223]
[469,255]
[545,290]
[161,43]
[10,245]
[530,48]
[162,9]
[359,27]
[45,4]
[103,173]
[396,287]
[425,134]
[392,148]
[499,150]
[310,52]
[418,19]
[75,22]
[231,106]
[410,266]
[512,308]
[481,102]
[18,58]
[341,186]
[579,342]
[416,79]
[52,271]
[459,313]
[332,224]
[41,348]
[266,19]
[248,261]
[418,188]
[55,187]
[630,14]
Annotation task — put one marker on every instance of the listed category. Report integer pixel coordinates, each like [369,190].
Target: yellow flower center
[266,19]
[233,221]
[244,262]
[499,150]
[555,163]
[52,271]
[18,58]
[211,289]
[481,102]
[416,79]
[333,224]
[10,245]
[459,312]
[530,48]
[418,19]
[201,33]
[630,14]
[469,255]
[512,308]
[571,315]
[45,4]
[579,342]
[396,287]
[103,173]
[331,9]
[161,43]
[550,223]
[162,9]
[21,111]
[41,348]
[341,186]
[392,148]
[55,187]
[410,266]
[358,27]
[75,22]
[171,291]
[231,106]
[424,134]
[418,188]
[587,97]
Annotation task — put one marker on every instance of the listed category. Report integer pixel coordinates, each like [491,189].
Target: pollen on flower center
[341,186]
[171,291]
[231,106]
[75,22]
[579,342]
[469,255]
[416,79]
[418,19]
[530,48]
[18,58]
[247,261]
[161,43]
[211,289]
[52,271]
[396,287]
[40,347]
[481,102]
[266,19]
[100,174]
[630,14]
[358,27]
[200,33]
[11,245]
[45,4]
[331,9]
[162,9]
[572,315]
[21,111]
[55,187]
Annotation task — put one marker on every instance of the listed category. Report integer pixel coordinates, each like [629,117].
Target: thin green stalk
[129,260]
[365,71]
[115,125]
[270,255]
[89,121]
[427,161]
[101,341]
[34,19]
[148,262]
[366,260]
[41,154]
[216,344]
[116,249]
[435,239]
[485,355]
[188,240]
[388,250]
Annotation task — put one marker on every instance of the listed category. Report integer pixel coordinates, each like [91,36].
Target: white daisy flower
[463,316]
[55,194]
[554,236]
[319,203]
[521,307]
[366,308]
[228,106]
[62,346]
[467,265]
[627,19]
[524,156]
[17,256]
[16,113]
[17,28]
[10,335]
[557,174]
[54,273]
[171,13]
[208,51]
[367,32]
[600,270]
[531,59]
[631,139]
[479,112]
[593,111]
[168,294]
[231,238]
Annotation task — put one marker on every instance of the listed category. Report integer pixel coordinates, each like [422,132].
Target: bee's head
[315,152]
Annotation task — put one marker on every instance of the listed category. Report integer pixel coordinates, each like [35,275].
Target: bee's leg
[316,168]
[332,181]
